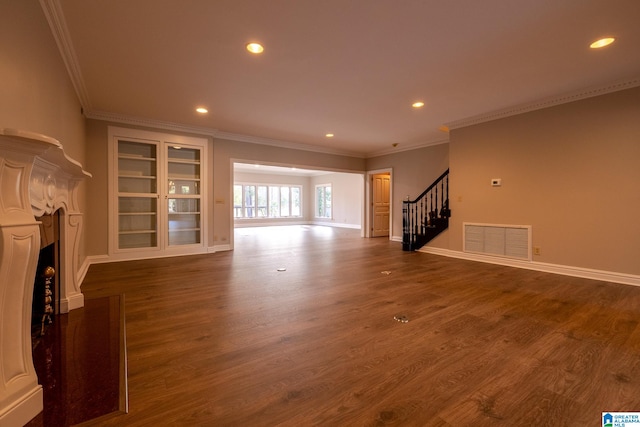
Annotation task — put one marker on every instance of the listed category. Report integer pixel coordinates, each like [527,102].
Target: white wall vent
[510,241]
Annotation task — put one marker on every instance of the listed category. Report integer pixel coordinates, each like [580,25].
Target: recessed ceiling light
[255,48]
[602,43]
[418,104]
[202,110]
[329,135]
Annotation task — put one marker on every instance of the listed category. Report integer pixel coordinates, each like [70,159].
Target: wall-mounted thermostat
[496,182]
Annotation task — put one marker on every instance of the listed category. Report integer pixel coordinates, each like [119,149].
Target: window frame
[272,206]
[317,207]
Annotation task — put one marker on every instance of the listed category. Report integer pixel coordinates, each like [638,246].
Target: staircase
[426,216]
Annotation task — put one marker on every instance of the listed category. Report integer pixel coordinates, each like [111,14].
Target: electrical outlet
[536,250]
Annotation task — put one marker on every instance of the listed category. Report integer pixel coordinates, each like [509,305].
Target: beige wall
[347,198]
[571,171]
[36,93]
[97,211]
[221,158]
[413,172]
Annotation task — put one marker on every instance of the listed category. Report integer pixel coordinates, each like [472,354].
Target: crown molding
[286,144]
[217,134]
[149,123]
[177,127]
[55,17]
[545,103]
[411,147]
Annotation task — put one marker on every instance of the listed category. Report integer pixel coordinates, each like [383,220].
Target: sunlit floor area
[299,326]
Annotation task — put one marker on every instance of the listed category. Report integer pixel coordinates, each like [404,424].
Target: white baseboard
[275,223]
[219,248]
[84,268]
[101,259]
[566,270]
[267,223]
[23,408]
[71,303]
[96,259]
[337,224]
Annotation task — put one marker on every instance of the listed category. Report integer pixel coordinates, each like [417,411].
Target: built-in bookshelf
[183,203]
[158,197]
[137,195]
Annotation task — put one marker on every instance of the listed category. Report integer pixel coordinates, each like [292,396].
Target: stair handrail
[419,225]
[424,193]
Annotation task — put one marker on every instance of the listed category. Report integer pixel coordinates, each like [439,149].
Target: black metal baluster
[405,224]
[432,207]
[415,222]
[441,196]
[423,222]
[447,211]
[435,211]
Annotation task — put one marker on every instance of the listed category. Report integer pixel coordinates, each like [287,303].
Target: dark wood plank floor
[226,339]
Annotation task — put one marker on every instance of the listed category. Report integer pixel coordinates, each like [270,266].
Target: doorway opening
[275,195]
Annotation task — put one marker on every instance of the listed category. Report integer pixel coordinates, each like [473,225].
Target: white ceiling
[349,67]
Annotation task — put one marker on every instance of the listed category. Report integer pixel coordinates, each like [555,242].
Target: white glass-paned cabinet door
[137,194]
[157,194]
[183,195]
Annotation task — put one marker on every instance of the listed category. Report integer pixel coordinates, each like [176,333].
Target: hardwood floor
[225,339]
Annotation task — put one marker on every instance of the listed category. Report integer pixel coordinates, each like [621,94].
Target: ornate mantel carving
[36,178]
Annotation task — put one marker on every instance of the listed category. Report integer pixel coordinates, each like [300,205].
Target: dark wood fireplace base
[81,364]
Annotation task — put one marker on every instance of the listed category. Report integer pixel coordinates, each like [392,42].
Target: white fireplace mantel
[36,178]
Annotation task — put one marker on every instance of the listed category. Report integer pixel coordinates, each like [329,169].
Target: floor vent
[509,241]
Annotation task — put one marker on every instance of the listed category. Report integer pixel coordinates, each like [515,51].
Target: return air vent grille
[510,241]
